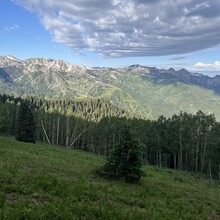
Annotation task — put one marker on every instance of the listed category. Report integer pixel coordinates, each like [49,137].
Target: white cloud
[12,28]
[208,66]
[120,28]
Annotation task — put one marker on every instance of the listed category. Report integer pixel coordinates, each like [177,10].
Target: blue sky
[114,33]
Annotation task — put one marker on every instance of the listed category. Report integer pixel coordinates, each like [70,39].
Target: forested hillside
[140,90]
[183,141]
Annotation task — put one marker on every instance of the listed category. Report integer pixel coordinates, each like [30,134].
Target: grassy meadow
[45,182]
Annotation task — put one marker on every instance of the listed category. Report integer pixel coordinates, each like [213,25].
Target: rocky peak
[42,64]
[9,60]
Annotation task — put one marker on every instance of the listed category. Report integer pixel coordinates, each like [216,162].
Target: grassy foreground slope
[45,182]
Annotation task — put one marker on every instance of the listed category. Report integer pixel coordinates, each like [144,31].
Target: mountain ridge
[147,91]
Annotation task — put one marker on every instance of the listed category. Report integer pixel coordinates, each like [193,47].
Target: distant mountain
[146,91]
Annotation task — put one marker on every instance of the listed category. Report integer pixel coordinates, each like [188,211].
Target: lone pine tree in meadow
[25,126]
[125,162]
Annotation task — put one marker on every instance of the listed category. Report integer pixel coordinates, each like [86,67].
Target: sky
[114,33]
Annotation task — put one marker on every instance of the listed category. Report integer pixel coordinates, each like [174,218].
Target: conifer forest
[183,142]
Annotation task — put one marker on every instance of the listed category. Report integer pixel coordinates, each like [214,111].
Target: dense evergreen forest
[184,141]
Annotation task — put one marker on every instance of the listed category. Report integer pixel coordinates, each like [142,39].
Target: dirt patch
[214,215]
[40,198]
[11,197]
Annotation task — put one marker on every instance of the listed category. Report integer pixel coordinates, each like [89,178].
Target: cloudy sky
[162,33]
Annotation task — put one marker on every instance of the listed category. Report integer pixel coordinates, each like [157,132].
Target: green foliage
[39,181]
[184,141]
[3,119]
[138,90]
[125,161]
[25,126]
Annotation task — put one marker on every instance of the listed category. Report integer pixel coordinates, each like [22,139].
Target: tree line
[184,141]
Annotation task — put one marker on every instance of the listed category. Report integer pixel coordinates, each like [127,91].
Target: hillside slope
[45,182]
[146,91]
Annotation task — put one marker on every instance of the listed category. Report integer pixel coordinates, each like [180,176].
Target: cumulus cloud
[208,66]
[12,28]
[121,28]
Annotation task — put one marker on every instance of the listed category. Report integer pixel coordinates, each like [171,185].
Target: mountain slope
[146,91]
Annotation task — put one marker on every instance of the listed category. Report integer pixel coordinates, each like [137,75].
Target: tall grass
[45,182]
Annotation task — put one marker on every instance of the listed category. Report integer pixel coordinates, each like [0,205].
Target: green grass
[45,182]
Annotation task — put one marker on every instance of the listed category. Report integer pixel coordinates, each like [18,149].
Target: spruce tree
[125,162]
[25,126]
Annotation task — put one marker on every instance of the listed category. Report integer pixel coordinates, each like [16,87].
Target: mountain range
[146,91]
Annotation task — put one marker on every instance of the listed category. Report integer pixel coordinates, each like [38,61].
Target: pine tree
[125,162]
[25,126]
[3,120]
